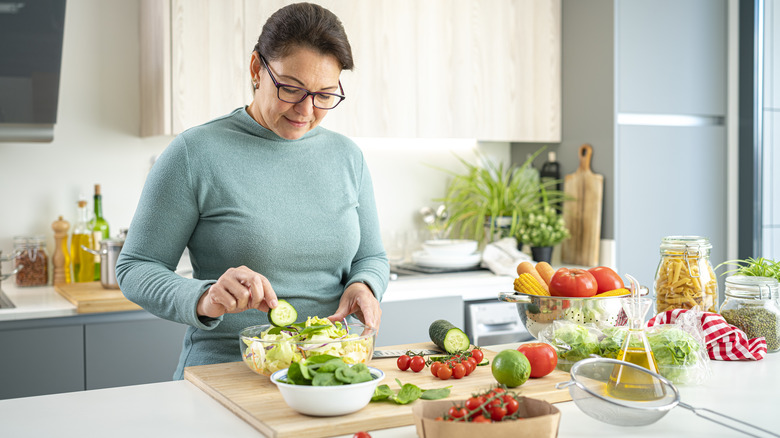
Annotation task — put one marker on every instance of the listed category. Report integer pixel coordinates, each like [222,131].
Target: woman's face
[303,68]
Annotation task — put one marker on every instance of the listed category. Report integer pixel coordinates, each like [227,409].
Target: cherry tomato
[498,390]
[435,367]
[478,355]
[470,365]
[606,279]
[497,413]
[481,419]
[573,283]
[417,364]
[474,402]
[458,371]
[403,362]
[456,412]
[444,372]
[361,435]
[511,404]
[542,356]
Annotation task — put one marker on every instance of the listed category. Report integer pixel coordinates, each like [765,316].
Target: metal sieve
[589,389]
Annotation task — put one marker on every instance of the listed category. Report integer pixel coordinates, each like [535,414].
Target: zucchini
[448,337]
[283,314]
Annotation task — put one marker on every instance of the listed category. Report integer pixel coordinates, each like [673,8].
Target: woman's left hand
[359,299]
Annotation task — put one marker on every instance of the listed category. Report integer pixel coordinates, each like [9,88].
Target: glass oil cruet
[625,382]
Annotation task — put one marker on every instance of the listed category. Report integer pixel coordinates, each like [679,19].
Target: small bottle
[551,172]
[752,306]
[31,255]
[83,261]
[99,227]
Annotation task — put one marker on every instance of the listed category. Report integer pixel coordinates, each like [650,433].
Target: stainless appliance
[492,322]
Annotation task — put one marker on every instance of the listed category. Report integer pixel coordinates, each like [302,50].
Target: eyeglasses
[293,94]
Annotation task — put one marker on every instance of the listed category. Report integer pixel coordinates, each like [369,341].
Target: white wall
[96,140]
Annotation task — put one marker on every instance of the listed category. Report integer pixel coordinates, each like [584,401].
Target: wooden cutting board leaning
[257,401]
[92,297]
[582,215]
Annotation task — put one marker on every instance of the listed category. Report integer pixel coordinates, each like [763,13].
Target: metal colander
[589,389]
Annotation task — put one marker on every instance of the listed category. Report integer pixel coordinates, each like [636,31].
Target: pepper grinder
[61,257]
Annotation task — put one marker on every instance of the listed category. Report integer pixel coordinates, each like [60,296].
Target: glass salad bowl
[266,349]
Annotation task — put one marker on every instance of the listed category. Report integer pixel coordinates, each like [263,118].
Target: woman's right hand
[238,289]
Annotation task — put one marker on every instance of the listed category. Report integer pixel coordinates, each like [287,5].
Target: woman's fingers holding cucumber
[238,289]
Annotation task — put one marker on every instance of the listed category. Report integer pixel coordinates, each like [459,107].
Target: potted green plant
[489,201]
[542,229]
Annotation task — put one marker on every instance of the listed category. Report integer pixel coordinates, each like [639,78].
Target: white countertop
[45,302]
[746,390]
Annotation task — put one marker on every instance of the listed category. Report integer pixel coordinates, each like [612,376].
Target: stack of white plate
[448,254]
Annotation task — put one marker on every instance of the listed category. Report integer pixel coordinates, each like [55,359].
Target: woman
[269,204]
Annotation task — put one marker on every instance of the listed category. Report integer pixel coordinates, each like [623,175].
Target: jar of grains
[685,279]
[751,304]
[31,255]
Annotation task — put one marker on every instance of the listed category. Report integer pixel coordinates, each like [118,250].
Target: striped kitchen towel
[724,341]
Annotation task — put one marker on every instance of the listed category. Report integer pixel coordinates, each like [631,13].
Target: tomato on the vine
[573,283]
[444,372]
[478,355]
[456,412]
[361,435]
[481,419]
[435,365]
[470,365]
[458,371]
[474,402]
[542,356]
[417,364]
[497,413]
[511,404]
[403,362]
[606,278]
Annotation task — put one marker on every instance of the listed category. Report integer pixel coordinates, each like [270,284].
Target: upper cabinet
[431,69]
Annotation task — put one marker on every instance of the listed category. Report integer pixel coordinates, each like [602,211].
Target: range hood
[30,58]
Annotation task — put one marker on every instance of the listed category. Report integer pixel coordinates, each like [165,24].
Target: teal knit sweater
[300,212]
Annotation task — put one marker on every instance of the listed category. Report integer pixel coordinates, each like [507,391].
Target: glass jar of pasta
[685,279]
[751,304]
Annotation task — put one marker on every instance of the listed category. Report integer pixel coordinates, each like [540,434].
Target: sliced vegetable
[448,337]
[283,314]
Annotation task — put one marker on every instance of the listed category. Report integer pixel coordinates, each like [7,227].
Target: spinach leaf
[382,392]
[435,394]
[408,394]
[295,375]
[325,379]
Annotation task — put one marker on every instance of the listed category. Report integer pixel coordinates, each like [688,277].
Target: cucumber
[448,337]
[283,314]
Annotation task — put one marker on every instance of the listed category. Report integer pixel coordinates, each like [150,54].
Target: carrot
[545,271]
[528,268]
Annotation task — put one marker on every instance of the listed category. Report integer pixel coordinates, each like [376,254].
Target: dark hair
[304,25]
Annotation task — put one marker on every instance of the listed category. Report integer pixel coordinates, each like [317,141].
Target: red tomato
[444,372]
[435,368]
[474,402]
[606,278]
[417,364]
[497,413]
[456,412]
[470,365]
[542,356]
[403,362]
[511,404]
[573,283]
[478,355]
[458,371]
[481,419]
[361,435]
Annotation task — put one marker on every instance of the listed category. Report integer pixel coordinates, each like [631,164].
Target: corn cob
[527,284]
[613,293]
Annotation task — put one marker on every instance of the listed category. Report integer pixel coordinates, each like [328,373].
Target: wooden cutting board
[92,297]
[583,214]
[257,401]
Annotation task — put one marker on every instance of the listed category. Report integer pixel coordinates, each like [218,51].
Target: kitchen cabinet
[88,351]
[407,321]
[439,68]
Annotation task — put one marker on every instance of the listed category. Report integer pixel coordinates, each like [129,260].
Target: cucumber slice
[283,314]
[448,337]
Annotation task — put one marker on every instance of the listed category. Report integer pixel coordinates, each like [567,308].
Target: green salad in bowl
[267,348]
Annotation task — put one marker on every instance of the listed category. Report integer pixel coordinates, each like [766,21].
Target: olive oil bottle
[83,262]
[99,228]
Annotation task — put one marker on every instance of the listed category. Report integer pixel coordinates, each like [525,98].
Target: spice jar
[31,256]
[751,304]
[685,279]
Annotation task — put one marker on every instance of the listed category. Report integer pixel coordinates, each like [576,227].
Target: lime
[511,368]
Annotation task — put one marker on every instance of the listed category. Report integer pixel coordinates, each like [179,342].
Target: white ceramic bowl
[450,247]
[327,401]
